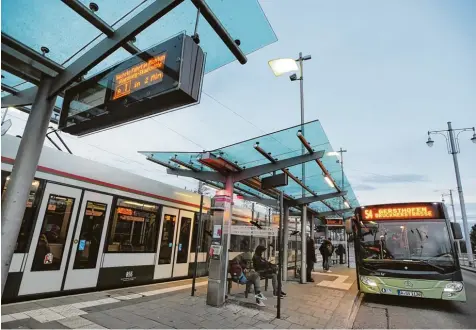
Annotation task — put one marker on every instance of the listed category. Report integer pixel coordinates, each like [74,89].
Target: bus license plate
[409,293]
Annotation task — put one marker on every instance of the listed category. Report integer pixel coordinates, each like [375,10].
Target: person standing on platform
[340,253]
[310,258]
[326,250]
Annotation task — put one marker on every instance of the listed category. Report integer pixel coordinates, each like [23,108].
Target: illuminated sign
[398,212]
[123,210]
[334,222]
[165,77]
[139,76]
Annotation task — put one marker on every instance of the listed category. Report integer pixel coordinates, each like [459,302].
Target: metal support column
[218,268]
[23,173]
[303,244]
[199,237]
[280,249]
[469,250]
[285,242]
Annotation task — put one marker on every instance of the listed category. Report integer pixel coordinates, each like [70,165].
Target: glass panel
[281,145]
[134,227]
[206,240]
[167,240]
[36,24]
[184,240]
[29,215]
[90,236]
[50,247]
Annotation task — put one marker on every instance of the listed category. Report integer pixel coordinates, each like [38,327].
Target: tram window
[184,240]
[206,240]
[50,247]
[134,227]
[167,239]
[90,236]
[29,215]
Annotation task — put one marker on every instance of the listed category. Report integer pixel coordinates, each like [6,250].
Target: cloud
[397,178]
[363,187]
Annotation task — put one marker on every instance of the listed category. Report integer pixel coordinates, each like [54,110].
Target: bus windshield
[406,241]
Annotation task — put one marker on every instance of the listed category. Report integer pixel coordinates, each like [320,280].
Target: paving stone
[185,325]
[264,326]
[19,316]
[32,324]
[106,320]
[296,320]
[281,324]
[22,307]
[75,322]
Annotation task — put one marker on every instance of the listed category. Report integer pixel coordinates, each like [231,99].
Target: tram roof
[280,145]
[69,29]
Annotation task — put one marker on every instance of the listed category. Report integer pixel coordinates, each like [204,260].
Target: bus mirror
[348,226]
[456,228]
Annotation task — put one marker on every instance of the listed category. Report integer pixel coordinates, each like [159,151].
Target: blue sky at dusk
[382,74]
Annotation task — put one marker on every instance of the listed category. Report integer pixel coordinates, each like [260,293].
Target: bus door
[51,240]
[173,251]
[88,241]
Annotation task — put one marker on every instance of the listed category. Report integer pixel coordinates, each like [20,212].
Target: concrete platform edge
[355,309]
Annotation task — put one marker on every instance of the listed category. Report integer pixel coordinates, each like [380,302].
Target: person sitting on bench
[266,269]
[236,269]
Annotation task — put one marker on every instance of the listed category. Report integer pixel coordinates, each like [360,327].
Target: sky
[382,74]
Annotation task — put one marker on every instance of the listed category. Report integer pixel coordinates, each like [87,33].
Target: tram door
[88,241]
[173,251]
[46,261]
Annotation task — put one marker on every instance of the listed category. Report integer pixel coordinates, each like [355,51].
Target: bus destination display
[399,212]
[139,76]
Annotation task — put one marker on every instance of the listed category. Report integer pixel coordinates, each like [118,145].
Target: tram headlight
[453,287]
[368,281]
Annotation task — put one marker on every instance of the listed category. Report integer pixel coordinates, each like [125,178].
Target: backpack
[330,249]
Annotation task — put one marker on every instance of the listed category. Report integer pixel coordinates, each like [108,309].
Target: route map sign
[163,78]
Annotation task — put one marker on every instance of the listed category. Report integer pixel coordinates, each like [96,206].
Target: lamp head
[283,65]
[430,142]
[473,139]
[293,77]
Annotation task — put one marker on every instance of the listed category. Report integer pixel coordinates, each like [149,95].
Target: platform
[329,302]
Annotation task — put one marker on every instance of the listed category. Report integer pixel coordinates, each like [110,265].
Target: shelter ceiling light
[329,181]
[283,65]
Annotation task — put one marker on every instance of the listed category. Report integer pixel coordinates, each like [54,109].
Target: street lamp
[279,67]
[452,144]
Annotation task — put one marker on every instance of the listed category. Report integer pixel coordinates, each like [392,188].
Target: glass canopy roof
[68,36]
[280,145]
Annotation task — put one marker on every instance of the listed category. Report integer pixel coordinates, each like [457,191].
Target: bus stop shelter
[241,168]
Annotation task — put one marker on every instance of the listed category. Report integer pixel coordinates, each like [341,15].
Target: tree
[472,236]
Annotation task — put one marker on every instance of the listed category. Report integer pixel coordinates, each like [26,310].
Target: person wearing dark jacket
[340,253]
[265,269]
[310,258]
[237,267]
[326,250]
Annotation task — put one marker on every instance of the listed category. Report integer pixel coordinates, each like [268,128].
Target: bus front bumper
[407,287]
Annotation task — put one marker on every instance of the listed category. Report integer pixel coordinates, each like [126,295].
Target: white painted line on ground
[68,311]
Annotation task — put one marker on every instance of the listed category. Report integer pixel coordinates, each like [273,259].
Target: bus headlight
[453,287]
[368,281]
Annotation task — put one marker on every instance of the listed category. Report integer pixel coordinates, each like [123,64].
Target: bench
[247,286]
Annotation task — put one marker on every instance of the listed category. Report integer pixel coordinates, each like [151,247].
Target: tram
[88,226]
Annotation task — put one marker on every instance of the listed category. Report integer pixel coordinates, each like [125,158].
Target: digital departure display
[401,212]
[139,76]
[334,222]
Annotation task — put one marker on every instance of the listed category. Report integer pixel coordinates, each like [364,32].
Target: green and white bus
[407,250]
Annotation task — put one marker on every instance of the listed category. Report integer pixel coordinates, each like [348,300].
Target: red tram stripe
[103,183]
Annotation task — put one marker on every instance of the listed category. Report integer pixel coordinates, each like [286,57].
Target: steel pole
[285,241]
[461,197]
[23,172]
[454,220]
[280,236]
[303,244]
[199,236]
